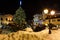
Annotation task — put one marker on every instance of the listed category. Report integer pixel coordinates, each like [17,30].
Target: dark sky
[36,6]
[8,6]
[31,7]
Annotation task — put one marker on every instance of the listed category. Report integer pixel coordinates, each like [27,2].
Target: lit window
[8,19]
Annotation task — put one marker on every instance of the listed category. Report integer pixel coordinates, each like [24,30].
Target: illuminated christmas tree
[19,16]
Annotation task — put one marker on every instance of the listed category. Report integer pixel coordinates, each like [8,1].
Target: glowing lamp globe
[52,12]
[46,11]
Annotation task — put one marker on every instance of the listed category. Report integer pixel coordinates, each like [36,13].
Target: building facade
[6,19]
[54,19]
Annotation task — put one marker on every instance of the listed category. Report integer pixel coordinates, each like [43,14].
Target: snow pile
[28,29]
[25,35]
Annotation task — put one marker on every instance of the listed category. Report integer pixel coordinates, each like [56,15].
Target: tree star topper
[20,2]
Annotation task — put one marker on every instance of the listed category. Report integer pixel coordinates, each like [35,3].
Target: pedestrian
[50,27]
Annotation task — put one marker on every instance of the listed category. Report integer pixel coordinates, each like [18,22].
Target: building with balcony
[54,19]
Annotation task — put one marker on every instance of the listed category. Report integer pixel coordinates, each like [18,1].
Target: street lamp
[44,13]
[52,13]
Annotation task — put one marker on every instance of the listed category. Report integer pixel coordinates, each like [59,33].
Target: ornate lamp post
[51,13]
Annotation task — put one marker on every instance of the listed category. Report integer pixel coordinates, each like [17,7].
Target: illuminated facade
[54,19]
[6,19]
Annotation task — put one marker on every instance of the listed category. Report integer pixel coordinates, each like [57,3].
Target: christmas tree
[19,16]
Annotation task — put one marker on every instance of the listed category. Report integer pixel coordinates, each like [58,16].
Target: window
[58,20]
[1,18]
[6,19]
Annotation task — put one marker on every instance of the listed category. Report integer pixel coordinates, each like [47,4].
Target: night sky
[8,6]
[30,7]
